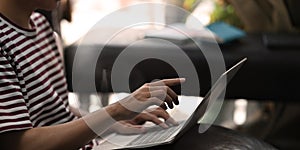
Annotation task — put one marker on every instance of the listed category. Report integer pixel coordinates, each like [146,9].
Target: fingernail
[164,125]
[176,123]
[182,79]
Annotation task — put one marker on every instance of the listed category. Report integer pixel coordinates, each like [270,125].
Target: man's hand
[135,125]
[156,93]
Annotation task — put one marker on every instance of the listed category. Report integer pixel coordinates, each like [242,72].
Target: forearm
[67,136]
[71,135]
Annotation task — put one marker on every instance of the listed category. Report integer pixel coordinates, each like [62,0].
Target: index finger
[168,82]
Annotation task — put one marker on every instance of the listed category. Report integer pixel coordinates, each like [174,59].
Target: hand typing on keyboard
[131,112]
[135,125]
[156,134]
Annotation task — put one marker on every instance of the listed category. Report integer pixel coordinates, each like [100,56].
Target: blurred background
[276,122]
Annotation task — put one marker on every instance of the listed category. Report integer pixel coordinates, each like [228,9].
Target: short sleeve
[13,110]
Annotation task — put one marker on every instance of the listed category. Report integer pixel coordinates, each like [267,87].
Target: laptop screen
[208,104]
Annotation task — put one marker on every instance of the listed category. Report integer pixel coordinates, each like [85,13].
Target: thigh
[215,137]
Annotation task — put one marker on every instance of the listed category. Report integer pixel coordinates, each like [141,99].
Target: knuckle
[146,85]
[159,109]
[145,88]
[162,91]
[165,87]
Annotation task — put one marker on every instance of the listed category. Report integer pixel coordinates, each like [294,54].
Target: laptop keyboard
[155,134]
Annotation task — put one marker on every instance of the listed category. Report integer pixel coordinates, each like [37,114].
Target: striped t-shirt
[33,90]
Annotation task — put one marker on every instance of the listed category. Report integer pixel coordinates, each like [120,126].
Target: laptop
[155,135]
